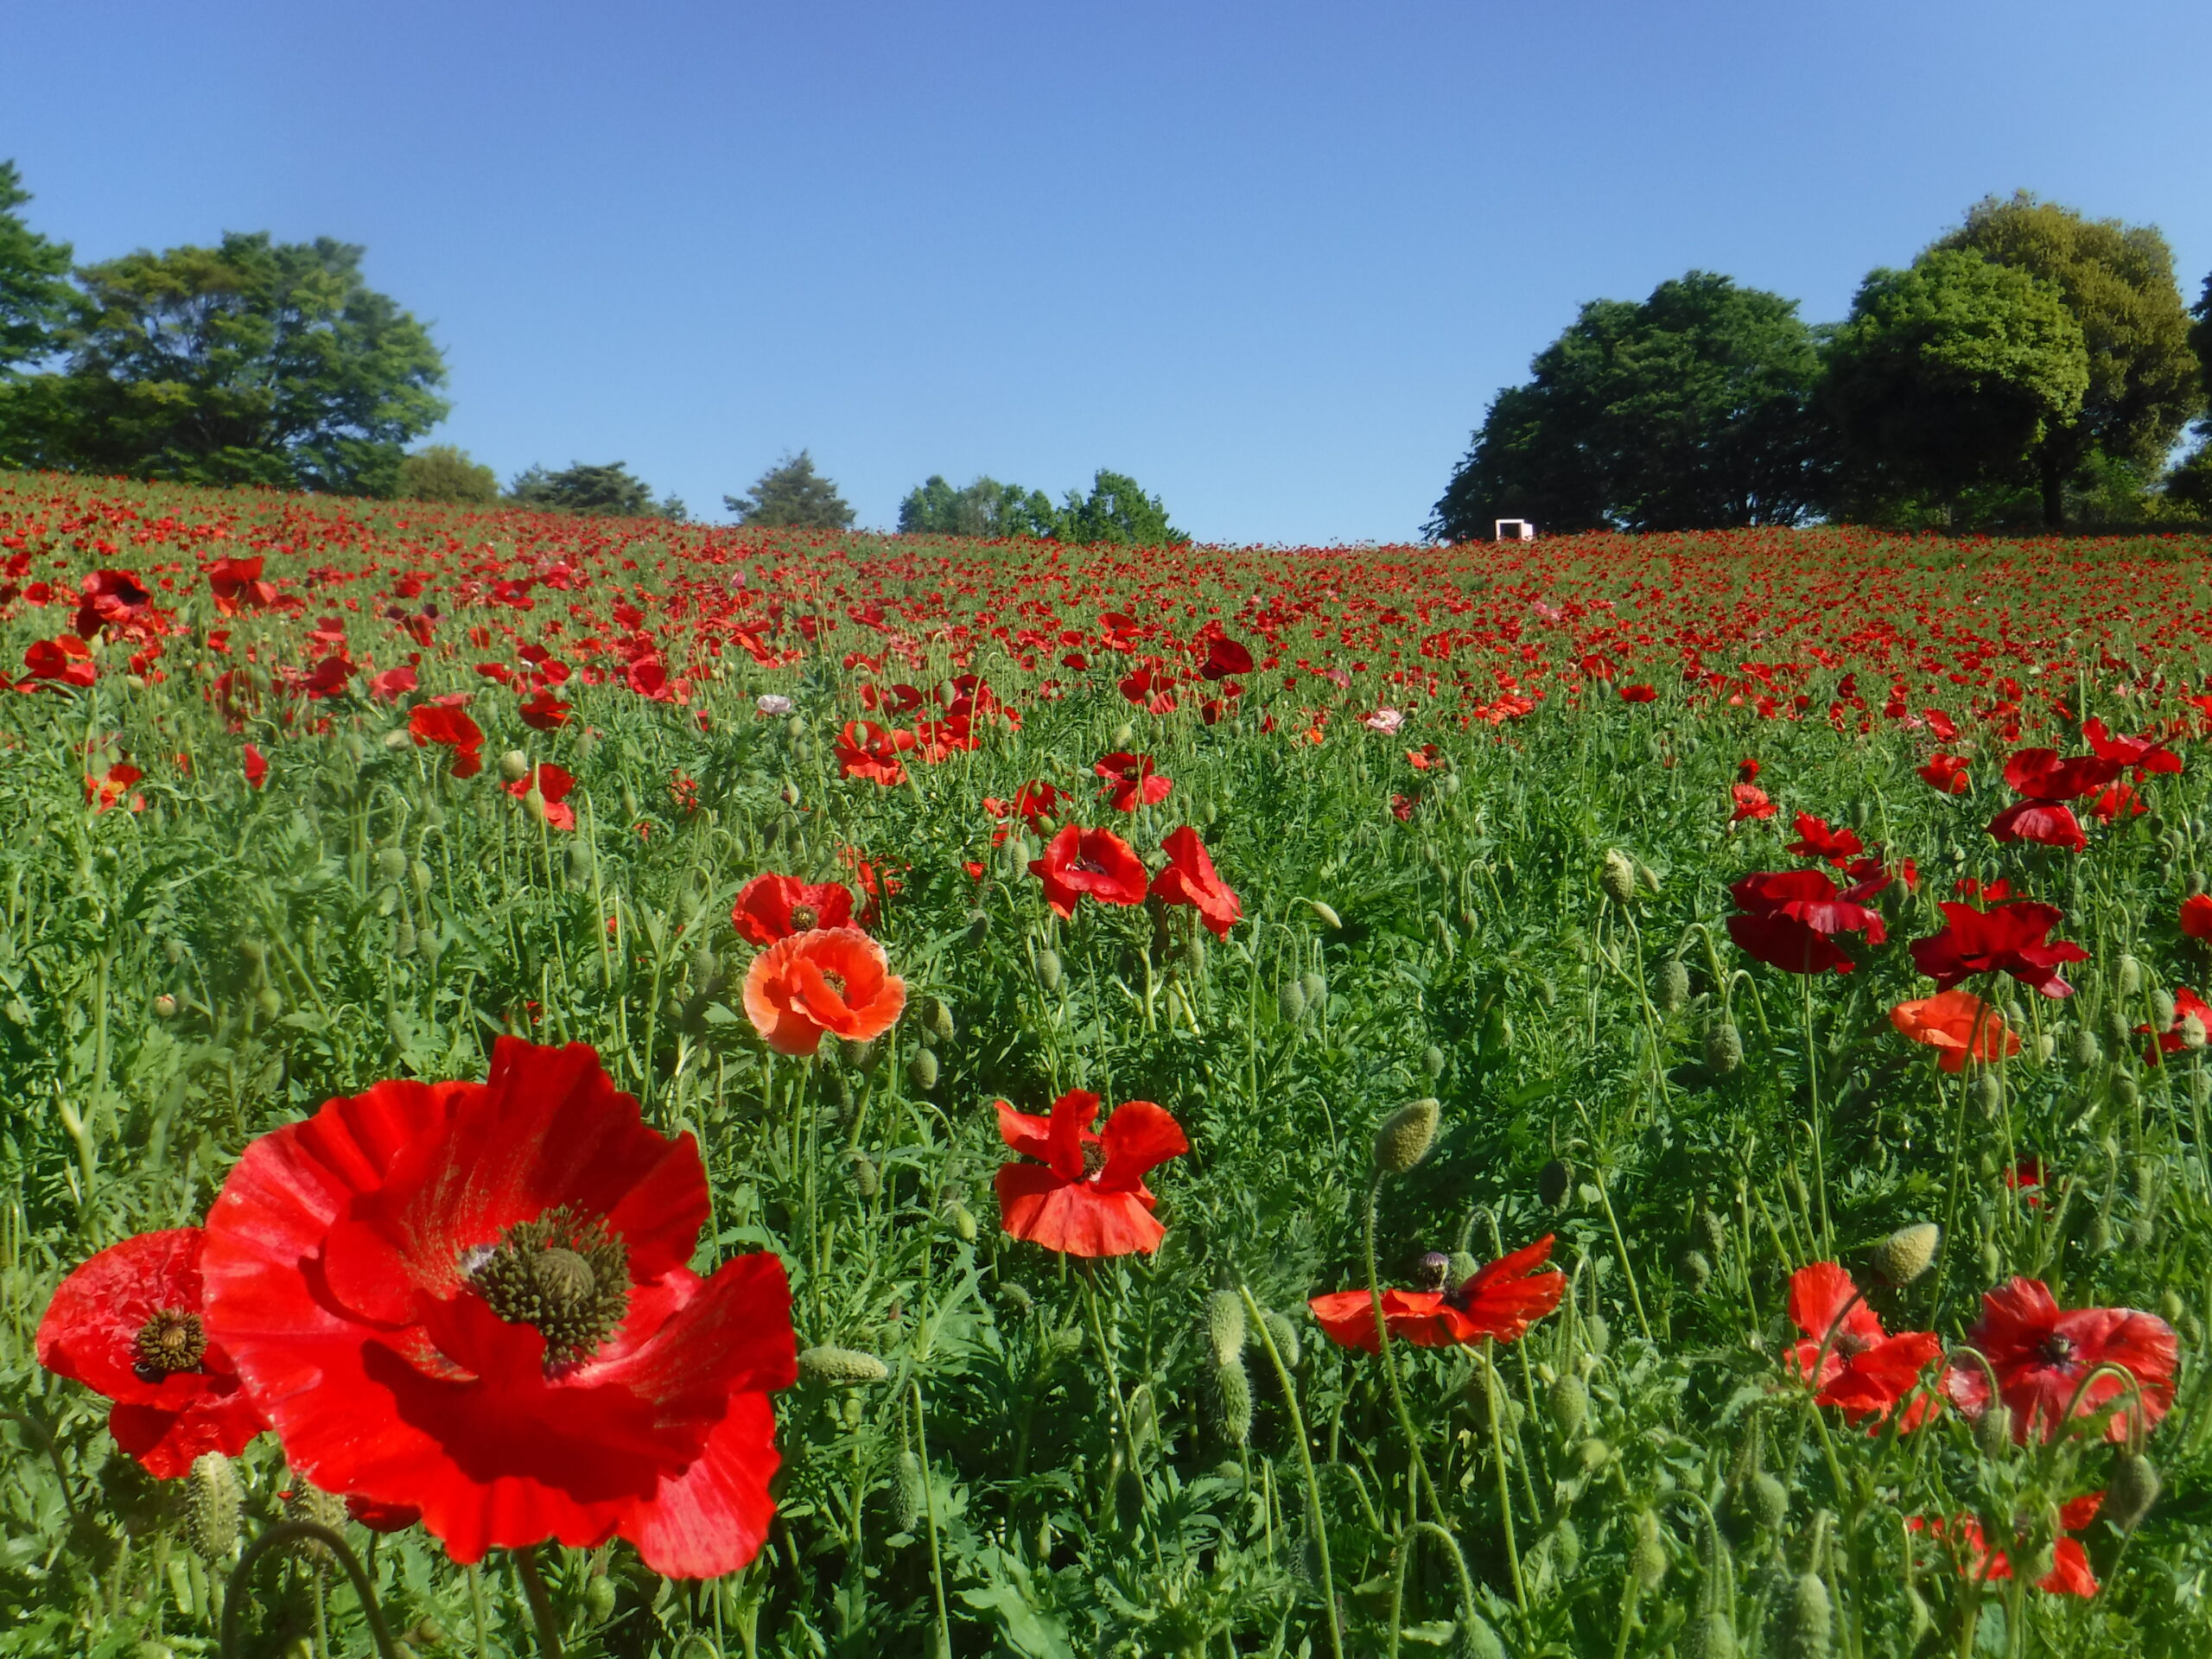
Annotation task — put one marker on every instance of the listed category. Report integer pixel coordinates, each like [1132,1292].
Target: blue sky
[1272,259]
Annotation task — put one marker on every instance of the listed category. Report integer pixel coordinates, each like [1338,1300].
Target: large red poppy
[449,728]
[2041,1352]
[1865,1371]
[866,750]
[1190,879]
[1500,1300]
[129,1324]
[1095,861]
[2146,753]
[1130,781]
[1959,1025]
[553,785]
[1947,774]
[1816,840]
[833,980]
[1086,1194]
[1790,918]
[471,1299]
[770,907]
[2004,938]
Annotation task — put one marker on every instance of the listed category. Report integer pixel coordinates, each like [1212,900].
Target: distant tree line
[1116,510]
[2032,364]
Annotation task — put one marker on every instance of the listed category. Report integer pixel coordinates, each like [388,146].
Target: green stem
[277,1537]
[1390,1362]
[1490,1386]
[541,1604]
[1306,1467]
[929,1512]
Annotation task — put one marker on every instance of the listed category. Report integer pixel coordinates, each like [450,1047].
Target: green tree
[35,295]
[1950,374]
[792,494]
[253,362]
[1690,409]
[2200,339]
[441,473]
[2117,282]
[985,509]
[609,491]
[1117,510]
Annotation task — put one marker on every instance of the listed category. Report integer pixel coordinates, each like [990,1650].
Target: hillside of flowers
[608,1088]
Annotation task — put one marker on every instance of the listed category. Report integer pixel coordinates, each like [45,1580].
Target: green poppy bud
[1317,992]
[1993,1431]
[1406,1137]
[841,1368]
[867,1180]
[1670,986]
[1285,1338]
[1646,1556]
[1714,1231]
[1048,971]
[1290,1002]
[940,1020]
[392,864]
[1617,876]
[921,1070]
[963,1221]
[1552,1182]
[212,1501]
[1907,1253]
[1233,1394]
[913,1493]
[1695,1269]
[1808,1619]
[2131,1490]
[1472,1638]
[1327,913]
[514,766]
[599,1599]
[1225,1325]
[2130,976]
[1431,1062]
[1710,1636]
[1569,1400]
[165,1007]
[1723,1049]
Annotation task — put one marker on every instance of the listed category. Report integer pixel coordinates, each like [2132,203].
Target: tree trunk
[2053,495]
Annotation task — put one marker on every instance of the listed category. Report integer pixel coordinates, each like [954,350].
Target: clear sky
[1273,259]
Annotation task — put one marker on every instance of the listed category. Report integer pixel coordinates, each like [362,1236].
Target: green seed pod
[1233,1395]
[1764,1500]
[1670,986]
[1406,1137]
[212,1501]
[1907,1253]
[1713,1231]
[2129,977]
[1646,1556]
[1286,1335]
[921,1070]
[1710,1636]
[1993,1431]
[841,1368]
[1569,1400]
[940,1020]
[1225,1325]
[1695,1270]
[1048,971]
[2131,1490]
[392,864]
[1723,1049]
[599,1599]
[1317,992]
[1554,1181]
[1808,1619]
[1290,1002]
[1472,1638]
[1597,1335]
[963,1221]
[1431,1062]
[867,1180]
[1988,1094]
[514,766]
[913,1493]
[2086,1050]
[1617,876]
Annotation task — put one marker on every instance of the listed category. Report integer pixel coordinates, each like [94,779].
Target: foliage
[2117,282]
[791,495]
[984,509]
[1117,511]
[252,362]
[608,492]
[34,281]
[1949,374]
[440,471]
[1484,811]
[1689,409]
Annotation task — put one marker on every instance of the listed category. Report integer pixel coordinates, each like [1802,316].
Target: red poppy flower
[836,980]
[1947,774]
[2196,916]
[393,683]
[235,585]
[1225,657]
[552,783]
[2146,753]
[1639,694]
[2069,1575]
[1190,880]
[770,907]
[129,1324]
[2041,1353]
[866,750]
[449,728]
[2049,823]
[544,712]
[1501,1299]
[1959,1025]
[1086,1194]
[2041,775]
[1816,840]
[66,660]
[1130,781]
[2004,938]
[1865,1372]
[1751,802]
[1790,917]
[1095,861]
[471,1299]
[257,768]
[2187,1006]
[108,790]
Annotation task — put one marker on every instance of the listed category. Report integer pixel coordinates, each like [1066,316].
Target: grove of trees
[1117,510]
[2032,362]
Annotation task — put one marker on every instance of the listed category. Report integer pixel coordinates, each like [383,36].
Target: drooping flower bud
[1285,1338]
[913,1493]
[1617,876]
[940,1020]
[1993,1431]
[1907,1253]
[1048,971]
[1670,986]
[963,1221]
[842,1368]
[318,1507]
[1809,1618]
[1290,1002]
[867,1180]
[921,1070]
[1646,1556]
[392,864]
[212,1501]
[1225,1325]
[1710,1636]
[1569,1400]
[1317,992]
[1723,1049]
[1406,1137]
[514,766]
[1695,1269]
[1233,1393]
[2131,1490]
[1431,1061]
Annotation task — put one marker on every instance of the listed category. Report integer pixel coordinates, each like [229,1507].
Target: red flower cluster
[2043,1357]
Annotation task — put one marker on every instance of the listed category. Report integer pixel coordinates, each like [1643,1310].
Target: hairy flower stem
[1428,1486]
[1402,1557]
[1505,1490]
[1812,1111]
[929,1513]
[1306,1467]
[288,1532]
[541,1604]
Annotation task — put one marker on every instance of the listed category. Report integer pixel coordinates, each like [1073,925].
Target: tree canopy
[1950,373]
[441,473]
[791,494]
[251,362]
[611,491]
[985,508]
[34,289]
[1116,510]
[2117,281]
[1689,409]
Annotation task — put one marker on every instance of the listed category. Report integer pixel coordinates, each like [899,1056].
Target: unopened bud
[940,1020]
[842,1368]
[1327,913]
[1552,1181]
[317,1507]
[1431,1062]
[1569,1400]
[1764,1500]
[1406,1137]
[1670,986]
[1285,1338]
[1993,1431]
[1290,1002]
[392,864]
[913,1493]
[1225,1325]
[867,1180]
[2131,1490]
[1048,971]
[1710,1636]
[1723,1049]
[1696,1270]
[1646,1556]
[1714,1230]
[2192,1032]
[963,1221]
[514,766]
[1808,1619]
[212,1501]
[921,1070]
[1317,992]
[1233,1393]
[1617,876]
[1907,1253]
[2130,976]
[165,1007]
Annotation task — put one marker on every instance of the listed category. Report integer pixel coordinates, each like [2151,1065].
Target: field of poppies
[608,1088]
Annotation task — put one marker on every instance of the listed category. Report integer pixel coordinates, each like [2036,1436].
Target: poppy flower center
[834,980]
[1432,1270]
[562,1273]
[2056,1350]
[805,918]
[1094,1159]
[169,1342]
[1090,867]
[1851,1344]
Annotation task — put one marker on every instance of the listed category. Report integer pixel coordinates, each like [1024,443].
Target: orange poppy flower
[833,979]
[1953,1023]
